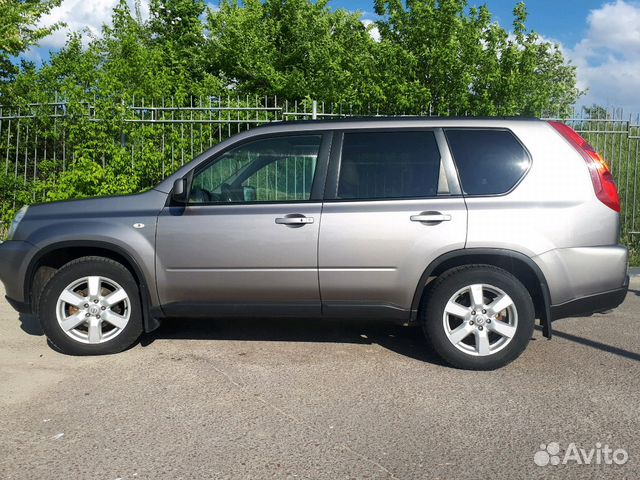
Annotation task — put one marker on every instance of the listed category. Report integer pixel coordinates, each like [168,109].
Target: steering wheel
[229,194]
[225,192]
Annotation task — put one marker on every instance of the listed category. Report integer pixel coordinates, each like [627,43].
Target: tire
[79,323]
[493,340]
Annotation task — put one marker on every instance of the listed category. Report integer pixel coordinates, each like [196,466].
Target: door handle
[435,217]
[297,220]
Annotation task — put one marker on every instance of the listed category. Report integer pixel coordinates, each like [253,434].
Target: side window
[377,165]
[490,162]
[275,169]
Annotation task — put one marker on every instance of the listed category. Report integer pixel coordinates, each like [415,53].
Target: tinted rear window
[489,162]
[389,165]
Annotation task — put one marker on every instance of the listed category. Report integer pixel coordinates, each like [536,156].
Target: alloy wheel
[480,319]
[93,309]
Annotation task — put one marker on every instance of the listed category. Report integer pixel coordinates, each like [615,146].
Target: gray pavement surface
[300,399]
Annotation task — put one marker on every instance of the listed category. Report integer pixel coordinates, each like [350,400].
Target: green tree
[19,30]
[291,48]
[177,32]
[463,62]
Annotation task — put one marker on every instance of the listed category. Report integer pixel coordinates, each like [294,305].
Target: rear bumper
[573,274]
[596,303]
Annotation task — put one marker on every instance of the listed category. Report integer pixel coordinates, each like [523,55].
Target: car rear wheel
[478,317]
[91,306]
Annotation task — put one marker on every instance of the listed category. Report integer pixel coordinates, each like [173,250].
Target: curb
[634,272]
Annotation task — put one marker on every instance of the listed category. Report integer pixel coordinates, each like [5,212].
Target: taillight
[603,184]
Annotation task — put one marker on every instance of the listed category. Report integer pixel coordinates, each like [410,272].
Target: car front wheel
[91,306]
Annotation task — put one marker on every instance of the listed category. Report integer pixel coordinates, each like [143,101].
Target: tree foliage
[19,30]
[440,55]
[459,60]
[293,49]
[433,54]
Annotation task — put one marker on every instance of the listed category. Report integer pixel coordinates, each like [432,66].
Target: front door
[246,241]
[393,205]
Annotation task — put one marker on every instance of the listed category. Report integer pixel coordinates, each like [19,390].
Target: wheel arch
[57,254]
[513,262]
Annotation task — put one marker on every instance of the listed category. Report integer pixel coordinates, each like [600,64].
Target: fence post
[314,111]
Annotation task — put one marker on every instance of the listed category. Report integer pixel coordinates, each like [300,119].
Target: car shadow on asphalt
[407,341]
[597,345]
[635,292]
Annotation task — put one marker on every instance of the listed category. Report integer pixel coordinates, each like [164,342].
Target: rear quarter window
[490,162]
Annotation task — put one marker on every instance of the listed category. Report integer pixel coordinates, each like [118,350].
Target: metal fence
[39,141]
[48,132]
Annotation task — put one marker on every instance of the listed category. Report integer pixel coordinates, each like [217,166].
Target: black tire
[446,286]
[77,269]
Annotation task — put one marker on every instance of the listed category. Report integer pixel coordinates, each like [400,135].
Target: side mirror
[179,192]
[249,193]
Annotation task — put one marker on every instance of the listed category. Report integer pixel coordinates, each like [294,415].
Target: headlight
[16,221]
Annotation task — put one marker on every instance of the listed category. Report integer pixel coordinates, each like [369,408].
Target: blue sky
[564,20]
[600,37]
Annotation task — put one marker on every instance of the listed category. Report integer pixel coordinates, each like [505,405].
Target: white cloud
[608,57]
[373,29]
[82,15]
[33,54]
[617,25]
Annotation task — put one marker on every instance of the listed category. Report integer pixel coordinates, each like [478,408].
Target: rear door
[392,205]
[247,241]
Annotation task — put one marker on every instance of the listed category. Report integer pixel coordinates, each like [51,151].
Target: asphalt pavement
[320,400]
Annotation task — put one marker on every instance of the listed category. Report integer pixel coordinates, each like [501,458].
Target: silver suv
[470,228]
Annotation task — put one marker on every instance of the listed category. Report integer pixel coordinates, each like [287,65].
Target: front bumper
[596,303]
[14,258]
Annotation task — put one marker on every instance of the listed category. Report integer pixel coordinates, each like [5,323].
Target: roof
[403,118]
